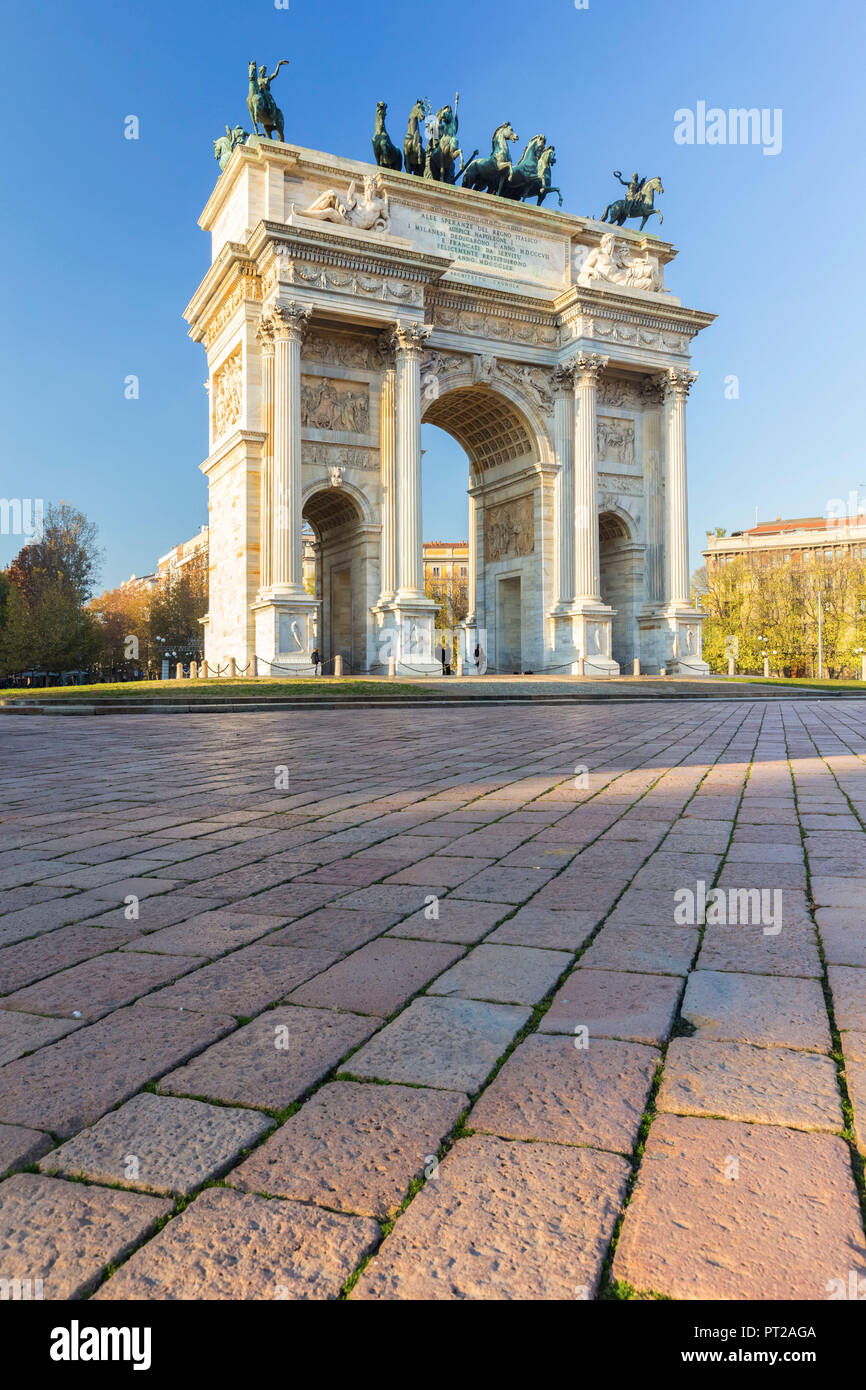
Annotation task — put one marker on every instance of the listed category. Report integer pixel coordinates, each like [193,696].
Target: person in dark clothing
[316,659]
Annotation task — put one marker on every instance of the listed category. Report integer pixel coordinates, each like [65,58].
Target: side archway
[621,573]
[341,572]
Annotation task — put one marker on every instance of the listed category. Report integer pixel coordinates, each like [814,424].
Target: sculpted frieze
[615,440]
[227,395]
[334,405]
[339,456]
[509,529]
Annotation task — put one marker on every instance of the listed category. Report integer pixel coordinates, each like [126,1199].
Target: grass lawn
[813,682]
[248,689]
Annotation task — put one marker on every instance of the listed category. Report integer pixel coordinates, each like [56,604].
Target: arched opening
[337,573]
[621,574]
[503,526]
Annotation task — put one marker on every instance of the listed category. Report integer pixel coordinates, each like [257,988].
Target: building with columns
[346,305]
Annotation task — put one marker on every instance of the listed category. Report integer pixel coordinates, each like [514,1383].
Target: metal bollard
[338,665]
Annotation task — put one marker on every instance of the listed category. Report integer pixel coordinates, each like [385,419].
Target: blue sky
[101,249]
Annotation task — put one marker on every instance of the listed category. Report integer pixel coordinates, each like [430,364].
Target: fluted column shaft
[679,383]
[265,338]
[588,366]
[408,343]
[388,455]
[472,578]
[290,323]
[653,397]
[563,493]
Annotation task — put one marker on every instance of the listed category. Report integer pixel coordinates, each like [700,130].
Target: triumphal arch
[344,306]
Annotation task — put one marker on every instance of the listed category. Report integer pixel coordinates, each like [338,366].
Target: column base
[405,631]
[286,633]
[671,637]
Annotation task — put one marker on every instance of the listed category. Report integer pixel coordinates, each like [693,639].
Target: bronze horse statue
[642,206]
[413,146]
[386,153]
[260,103]
[491,174]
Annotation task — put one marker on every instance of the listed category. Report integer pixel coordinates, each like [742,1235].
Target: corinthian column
[389,485]
[563,495]
[289,325]
[679,382]
[472,567]
[587,581]
[408,342]
[265,339]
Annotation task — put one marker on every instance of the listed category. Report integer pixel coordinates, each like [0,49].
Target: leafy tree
[67,552]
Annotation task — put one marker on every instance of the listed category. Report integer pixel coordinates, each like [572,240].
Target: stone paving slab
[32,960]
[503,1221]
[153,913]
[794,951]
[159,1144]
[781,1229]
[452,1044]
[19,1147]
[770,1010]
[273,1060]
[21,1033]
[456,920]
[230,1245]
[614,1004]
[209,933]
[379,977]
[737,1081]
[66,1233]
[848,986]
[547,928]
[334,929]
[549,1089]
[98,986]
[354,1147]
[843,935]
[60,1088]
[243,983]
[503,974]
[646,949]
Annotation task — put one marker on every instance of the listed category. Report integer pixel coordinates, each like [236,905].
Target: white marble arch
[470,312]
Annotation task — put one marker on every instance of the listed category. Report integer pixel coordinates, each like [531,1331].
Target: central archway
[507,505]
[341,574]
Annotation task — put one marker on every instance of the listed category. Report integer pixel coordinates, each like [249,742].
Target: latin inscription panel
[483,242]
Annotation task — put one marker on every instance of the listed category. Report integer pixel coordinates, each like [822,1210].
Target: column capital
[588,366]
[265,335]
[562,376]
[290,321]
[679,382]
[653,390]
[410,338]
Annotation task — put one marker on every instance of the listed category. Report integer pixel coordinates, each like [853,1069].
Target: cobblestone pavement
[404,1004]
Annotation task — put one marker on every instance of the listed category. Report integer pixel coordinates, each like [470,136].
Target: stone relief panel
[616,440]
[535,381]
[340,350]
[228,395]
[335,405]
[613,261]
[613,485]
[618,393]
[509,528]
[339,456]
[493,326]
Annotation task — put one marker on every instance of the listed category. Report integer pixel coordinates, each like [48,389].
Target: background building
[799,539]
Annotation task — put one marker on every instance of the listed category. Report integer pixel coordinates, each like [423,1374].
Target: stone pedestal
[405,634]
[593,630]
[285,635]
